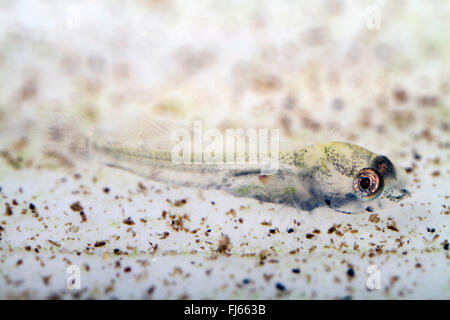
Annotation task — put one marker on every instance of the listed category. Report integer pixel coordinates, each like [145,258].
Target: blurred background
[374,73]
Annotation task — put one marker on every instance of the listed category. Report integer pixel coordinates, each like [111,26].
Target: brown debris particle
[164,235]
[179,203]
[54,243]
[268,277]
[392,227]
[224,244]
[309,236]
[393,280]
[332,229]
[141,187]
[177,271]
[400,95]
[8,210]
[76,206]
[151,290]
[231,212]
[83,216]
[99,244]
[128,221]
[374,218]
[436,173]
[46,280]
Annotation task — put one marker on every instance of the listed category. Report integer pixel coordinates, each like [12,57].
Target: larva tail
[68,139]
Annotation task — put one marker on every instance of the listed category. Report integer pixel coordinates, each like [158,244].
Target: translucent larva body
[338,175]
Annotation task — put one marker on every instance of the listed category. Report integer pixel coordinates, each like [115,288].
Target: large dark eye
[368,184]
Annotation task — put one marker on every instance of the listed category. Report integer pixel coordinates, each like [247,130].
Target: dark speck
[128,221]
[431,230]
[32,206]
[290,230]
[369,209]
[83,216]
[350,272]
[416,155]
[296,270]
[99,244]
[280,286]
[246,281]
[446,246]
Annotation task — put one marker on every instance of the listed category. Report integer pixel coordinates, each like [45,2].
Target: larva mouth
[403,194]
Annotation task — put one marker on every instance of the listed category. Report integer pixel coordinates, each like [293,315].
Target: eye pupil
[364,183]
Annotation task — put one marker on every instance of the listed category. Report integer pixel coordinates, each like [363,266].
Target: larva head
[380,185]
[355,180]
